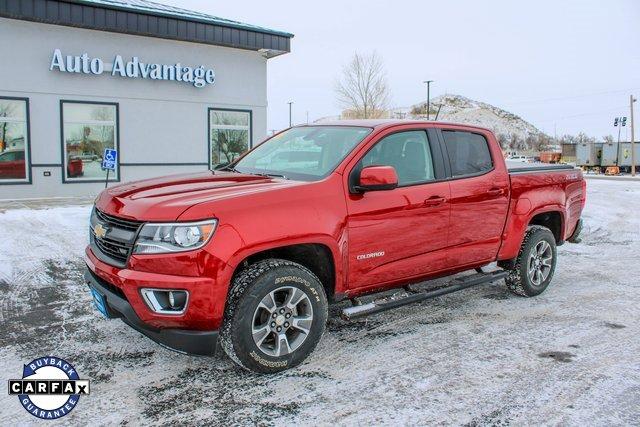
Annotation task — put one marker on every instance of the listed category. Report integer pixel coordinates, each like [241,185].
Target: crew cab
[247,257]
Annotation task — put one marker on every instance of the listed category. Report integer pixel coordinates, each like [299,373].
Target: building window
[87,129]
[229,135]
[14,141]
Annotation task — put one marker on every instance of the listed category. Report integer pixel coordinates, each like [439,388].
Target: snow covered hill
[457,108]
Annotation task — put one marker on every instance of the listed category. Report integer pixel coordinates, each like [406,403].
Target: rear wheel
[275,316]
[533,269]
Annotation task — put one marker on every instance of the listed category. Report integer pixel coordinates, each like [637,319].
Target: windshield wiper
[271,175]
[230,169]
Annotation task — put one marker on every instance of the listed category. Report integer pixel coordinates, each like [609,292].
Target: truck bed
[519,167]
[540,186]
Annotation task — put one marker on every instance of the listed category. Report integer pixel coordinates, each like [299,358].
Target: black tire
[519,280]
[248,290]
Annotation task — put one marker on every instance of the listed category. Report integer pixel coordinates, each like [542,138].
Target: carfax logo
[50,387]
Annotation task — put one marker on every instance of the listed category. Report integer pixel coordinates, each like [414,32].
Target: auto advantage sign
[134,69]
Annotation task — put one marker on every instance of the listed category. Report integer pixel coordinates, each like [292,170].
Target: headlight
[176,237]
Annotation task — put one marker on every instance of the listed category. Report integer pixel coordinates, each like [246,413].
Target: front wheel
[275,316]
[536,262]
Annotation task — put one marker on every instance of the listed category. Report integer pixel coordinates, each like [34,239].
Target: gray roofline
[104,16]
[188,15]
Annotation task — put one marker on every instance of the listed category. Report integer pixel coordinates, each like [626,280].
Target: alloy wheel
[540,263]
[282,321]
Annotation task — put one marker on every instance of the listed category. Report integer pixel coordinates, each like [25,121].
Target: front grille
[118,249]
[114,221]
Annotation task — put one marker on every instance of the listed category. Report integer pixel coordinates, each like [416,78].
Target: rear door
[479,195]
[400,233]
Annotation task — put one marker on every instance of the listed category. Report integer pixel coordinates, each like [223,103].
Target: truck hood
[166,198]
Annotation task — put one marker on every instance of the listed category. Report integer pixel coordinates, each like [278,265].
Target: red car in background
[74,167]
[12,165]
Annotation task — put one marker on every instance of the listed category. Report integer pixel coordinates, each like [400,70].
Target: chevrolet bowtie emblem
[100,231]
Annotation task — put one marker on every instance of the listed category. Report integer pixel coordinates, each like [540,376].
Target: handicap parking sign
[109,159]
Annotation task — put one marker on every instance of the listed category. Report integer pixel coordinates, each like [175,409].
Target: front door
[401,233]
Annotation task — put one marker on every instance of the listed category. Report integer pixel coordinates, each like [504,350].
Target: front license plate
[99,303]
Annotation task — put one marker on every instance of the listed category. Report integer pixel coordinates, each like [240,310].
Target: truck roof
[382,123]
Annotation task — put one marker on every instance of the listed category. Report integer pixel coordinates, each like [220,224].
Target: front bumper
[203,343]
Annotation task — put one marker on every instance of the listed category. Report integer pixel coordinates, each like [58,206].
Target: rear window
[468,152]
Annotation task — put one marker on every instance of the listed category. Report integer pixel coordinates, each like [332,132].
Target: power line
[562,98]
[593,113]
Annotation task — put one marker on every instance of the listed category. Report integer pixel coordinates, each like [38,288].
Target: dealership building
[172,90]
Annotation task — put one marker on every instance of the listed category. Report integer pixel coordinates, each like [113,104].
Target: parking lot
[477,357]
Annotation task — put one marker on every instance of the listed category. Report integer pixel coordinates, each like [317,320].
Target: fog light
[166,301]
[177,299]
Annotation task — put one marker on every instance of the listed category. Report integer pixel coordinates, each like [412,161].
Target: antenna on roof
[437,113]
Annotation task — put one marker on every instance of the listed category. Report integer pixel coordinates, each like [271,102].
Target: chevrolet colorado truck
[247,257]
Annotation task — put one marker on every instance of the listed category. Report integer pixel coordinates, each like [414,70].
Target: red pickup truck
[247,257]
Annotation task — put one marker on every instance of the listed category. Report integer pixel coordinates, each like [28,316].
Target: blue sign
[110,159]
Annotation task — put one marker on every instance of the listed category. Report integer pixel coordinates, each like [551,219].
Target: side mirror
[377,178]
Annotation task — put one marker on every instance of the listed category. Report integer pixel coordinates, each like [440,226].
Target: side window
[408,152]
[88,128]
[14,140]
[230,133]
[468,152]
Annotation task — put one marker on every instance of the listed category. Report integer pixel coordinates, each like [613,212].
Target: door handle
[434,201]
[495,192]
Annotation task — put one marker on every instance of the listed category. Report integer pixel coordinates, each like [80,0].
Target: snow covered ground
[478,357]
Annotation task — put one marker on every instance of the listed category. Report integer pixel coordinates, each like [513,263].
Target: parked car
[522,159]
[89,157]
[75,167]
[550,157]
[12,164]
[247,259]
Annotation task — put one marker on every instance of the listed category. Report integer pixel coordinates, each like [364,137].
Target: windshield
[306,153]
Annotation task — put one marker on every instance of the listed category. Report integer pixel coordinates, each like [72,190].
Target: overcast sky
[565,64]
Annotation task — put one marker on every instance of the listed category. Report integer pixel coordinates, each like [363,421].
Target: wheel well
[551,220]
[316,257]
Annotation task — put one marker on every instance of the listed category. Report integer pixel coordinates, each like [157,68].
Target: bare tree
[531,142]
[568,139]
[503,140]
[516,143]
[362,90]
[583,137]
[5,111]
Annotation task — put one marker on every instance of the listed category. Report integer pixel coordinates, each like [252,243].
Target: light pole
[633,148]
[428,82]
[619,122]
[290,104]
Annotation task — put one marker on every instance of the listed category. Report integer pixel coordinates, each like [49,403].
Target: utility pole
[633,146]
[428,82]
[290,121]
